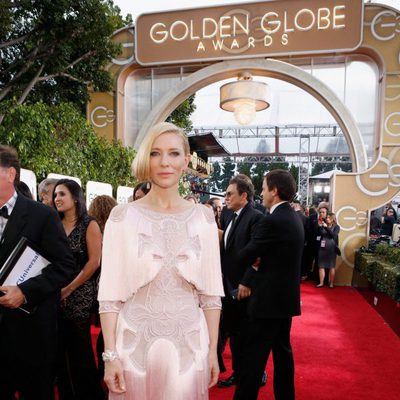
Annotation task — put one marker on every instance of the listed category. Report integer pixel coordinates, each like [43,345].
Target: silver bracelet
[109,355]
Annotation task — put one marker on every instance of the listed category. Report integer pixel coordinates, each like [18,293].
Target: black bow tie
[4,212]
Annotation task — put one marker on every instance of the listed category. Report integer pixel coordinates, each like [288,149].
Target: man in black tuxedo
[28,343]
[275,297]
[304,220]
[237,233]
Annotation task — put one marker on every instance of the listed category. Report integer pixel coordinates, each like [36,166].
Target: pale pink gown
[162,335]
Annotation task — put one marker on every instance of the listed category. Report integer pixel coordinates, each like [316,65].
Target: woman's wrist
[110,355]
[212,348]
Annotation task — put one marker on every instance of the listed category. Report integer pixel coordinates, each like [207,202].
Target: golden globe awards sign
[267,28]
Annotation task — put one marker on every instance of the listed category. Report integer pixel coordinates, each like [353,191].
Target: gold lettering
[251,41]
[218,44]
[201,47]
[223,26]
[244,29]
[337,16]
[208,21]
[285,27]
[192,37]
[235,44]
[324,18]
[175,25]
[163,33]
[267,40]
[297,17]
[275,23]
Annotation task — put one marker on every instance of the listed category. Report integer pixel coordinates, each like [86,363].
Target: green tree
[58,139]
[278,165]
[259,172]
[181,115]
[336,146]
[228,171]
[320,167]
[329,163]
[214,181]
[244,167]
[295,172]
[52,50]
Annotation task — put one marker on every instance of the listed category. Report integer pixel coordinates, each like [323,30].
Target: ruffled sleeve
[111,286]
[123,271]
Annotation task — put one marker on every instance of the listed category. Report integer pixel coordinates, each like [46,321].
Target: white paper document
[29,264]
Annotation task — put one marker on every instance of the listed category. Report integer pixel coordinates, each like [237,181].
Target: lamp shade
[244,98]
[244,90]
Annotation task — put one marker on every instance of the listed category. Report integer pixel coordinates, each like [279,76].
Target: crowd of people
[383,227]
[171,280]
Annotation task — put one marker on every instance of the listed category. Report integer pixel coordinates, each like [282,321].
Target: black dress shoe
[225,383]
[264,379]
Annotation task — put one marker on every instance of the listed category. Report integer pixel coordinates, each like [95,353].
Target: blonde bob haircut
[141,163]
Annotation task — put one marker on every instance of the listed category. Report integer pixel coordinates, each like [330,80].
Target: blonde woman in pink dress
[160,287]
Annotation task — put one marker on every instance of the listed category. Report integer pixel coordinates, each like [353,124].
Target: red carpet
[343,350]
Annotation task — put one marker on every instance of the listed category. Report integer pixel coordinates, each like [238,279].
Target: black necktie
[4,212]
[234,216]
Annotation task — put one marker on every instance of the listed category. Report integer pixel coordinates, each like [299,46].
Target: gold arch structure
[353,195]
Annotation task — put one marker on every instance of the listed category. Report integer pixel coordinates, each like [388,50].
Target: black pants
[32,377]
[76,370]
[235,323]
[264,335]
[32,382]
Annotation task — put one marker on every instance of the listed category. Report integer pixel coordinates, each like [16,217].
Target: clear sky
[136,7]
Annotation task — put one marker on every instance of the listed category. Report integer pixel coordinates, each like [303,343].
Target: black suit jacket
[234,271]
[279,240]
[33,337]
[225,218]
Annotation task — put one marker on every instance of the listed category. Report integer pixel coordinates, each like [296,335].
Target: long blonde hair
[141,163]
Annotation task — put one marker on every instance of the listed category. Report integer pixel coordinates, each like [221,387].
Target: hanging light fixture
[244,98]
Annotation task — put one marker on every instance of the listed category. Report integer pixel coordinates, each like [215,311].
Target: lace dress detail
[162,336]
[79,304]
[210,302]
[110,306]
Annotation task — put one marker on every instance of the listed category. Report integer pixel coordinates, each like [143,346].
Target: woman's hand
[65,292]
[214,368]
[114,376]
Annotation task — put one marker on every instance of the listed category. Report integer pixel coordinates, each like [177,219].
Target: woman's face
[63,199]
[322,212]
[329,220]
[167,160]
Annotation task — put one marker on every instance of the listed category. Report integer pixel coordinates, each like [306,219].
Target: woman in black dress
[328,230]
[77,373]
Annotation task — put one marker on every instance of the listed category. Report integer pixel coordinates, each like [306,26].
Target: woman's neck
[70,216]
[163,198]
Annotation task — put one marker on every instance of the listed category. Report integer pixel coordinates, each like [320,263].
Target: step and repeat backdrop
[92,190]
